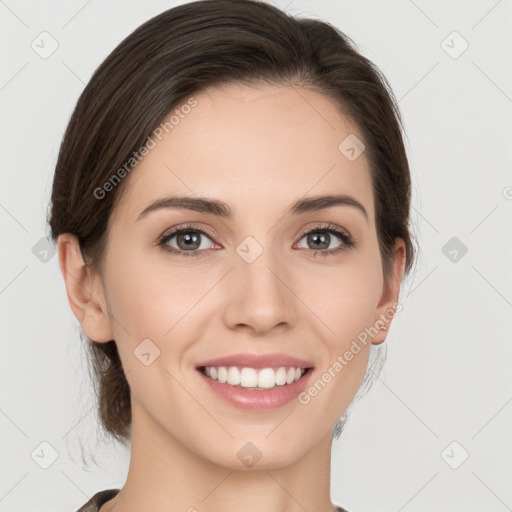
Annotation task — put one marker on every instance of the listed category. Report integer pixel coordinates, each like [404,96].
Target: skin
[258,149]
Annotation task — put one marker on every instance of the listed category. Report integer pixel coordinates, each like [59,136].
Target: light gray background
[447,376]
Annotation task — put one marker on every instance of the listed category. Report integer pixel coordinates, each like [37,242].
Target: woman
[231,208]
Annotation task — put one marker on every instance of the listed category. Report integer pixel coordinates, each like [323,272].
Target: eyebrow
[221,209]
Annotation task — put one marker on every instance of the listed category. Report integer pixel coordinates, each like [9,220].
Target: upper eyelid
[325,226]
[347,241]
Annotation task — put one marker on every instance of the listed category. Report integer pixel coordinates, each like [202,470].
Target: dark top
[94,504]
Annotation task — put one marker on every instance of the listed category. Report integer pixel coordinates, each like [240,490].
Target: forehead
[251,146]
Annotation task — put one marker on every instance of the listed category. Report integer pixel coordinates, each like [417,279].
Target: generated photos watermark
[342,360]
[165,127]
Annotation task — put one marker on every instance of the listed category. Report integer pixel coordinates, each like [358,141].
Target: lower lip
[258,400]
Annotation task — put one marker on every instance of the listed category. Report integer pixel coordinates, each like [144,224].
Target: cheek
[149,309]
[345,303]
[344,299]
[146,298]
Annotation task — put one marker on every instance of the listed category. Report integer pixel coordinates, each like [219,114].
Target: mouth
[249,378]
[259,388]
[256,382]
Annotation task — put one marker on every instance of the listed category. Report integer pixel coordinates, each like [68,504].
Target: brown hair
[181,52]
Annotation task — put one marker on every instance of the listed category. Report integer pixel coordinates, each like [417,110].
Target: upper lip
[258,361]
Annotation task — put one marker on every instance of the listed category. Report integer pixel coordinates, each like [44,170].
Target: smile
[252,378]
[255,390]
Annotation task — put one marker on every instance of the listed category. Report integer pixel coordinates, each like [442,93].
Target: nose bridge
[258,296]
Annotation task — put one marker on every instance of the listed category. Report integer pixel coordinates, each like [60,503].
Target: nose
[259,296]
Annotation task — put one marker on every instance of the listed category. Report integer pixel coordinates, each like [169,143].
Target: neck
[166,476]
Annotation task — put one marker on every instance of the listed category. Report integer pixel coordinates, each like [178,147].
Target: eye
[193,241]
[320,239]
[187,241]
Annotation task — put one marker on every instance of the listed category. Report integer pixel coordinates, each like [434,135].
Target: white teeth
[222,374]
[233,376]
[280,377]
[265,378]
[248,378]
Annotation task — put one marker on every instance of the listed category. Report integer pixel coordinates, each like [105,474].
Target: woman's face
[252,283]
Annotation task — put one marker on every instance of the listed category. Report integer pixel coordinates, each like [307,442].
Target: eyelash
[347,241]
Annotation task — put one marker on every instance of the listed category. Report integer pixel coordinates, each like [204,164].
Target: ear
[391,290]
[84,290]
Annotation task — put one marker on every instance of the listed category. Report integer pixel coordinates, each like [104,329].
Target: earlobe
[388,304]
[84,290]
